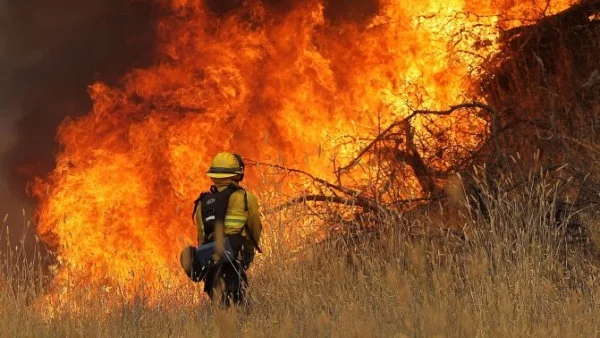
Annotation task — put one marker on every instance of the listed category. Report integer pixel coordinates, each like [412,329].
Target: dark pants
[226,281]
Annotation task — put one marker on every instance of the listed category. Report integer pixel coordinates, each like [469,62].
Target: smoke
[50,52]
[350,10]
[335,11]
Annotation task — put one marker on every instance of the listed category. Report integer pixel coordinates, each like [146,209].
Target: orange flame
[275,85]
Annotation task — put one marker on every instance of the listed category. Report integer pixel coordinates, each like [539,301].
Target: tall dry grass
[514,273]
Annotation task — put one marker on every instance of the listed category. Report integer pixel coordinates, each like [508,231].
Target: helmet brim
[221,175]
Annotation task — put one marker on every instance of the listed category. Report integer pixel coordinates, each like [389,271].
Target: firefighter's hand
[248,256]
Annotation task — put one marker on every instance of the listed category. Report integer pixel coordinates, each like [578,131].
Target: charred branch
[388,131]
[347,202]
[402,146]
[357,198]
[413,157]
[399,144]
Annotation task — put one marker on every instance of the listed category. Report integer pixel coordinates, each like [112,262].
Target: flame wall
[276,81]
[50,52]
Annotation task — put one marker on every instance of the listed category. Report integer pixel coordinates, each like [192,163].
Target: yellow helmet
[226,165]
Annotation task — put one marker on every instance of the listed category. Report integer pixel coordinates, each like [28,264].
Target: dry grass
[514,275]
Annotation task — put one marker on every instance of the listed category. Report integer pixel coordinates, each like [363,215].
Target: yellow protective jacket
[236,216]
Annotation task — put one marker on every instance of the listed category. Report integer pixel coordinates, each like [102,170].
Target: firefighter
[228,214]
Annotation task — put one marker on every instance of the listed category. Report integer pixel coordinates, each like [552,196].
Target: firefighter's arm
[254,223]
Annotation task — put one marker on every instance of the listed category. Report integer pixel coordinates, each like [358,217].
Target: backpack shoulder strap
[196,204]
[235,188]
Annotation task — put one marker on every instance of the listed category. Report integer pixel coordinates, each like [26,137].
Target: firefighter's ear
[241,164]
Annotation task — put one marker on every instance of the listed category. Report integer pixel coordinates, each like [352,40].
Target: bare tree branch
[494,127]
[356,196]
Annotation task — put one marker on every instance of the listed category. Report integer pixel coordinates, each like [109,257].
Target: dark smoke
[359,11]
[51,52]
[335,11]
[221,7]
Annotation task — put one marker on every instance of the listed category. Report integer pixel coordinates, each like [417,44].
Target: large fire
[275,81]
